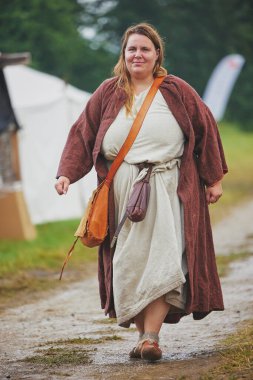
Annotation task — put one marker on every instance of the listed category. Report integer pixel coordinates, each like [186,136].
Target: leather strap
[134,130]
[68,257]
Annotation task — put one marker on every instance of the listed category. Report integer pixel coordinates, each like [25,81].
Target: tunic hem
[146,302]
[176,303]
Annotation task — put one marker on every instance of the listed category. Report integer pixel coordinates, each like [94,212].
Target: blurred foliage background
[79,40]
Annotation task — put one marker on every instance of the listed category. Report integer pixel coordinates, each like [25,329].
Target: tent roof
[14,59]
[34,88]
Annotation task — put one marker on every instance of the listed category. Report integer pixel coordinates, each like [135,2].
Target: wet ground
[34,330]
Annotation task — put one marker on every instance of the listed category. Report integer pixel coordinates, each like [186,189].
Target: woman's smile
[140,56]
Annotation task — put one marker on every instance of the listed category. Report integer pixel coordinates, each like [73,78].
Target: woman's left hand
[214,192]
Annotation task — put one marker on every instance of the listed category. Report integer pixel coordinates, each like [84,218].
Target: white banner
[221,82]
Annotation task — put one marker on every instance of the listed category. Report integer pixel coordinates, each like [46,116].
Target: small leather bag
[93,227]
[137,204]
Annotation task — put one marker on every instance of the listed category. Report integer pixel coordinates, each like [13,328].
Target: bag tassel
[68,257]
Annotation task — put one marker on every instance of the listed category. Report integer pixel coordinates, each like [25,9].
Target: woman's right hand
[62,185]
[214,192]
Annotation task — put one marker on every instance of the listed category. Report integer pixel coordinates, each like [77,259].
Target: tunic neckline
[142,92]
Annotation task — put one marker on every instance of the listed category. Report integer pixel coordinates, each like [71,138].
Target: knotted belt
[146,170]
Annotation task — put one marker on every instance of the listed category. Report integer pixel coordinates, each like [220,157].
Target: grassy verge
[62,356]
[29,267]
[235,359]
[46,252]
[78,354]
[238,183]
[223,262]
[85,341]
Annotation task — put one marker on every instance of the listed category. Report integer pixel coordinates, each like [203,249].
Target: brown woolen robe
[202,164]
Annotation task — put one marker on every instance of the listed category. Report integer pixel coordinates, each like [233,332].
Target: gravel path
[76,313]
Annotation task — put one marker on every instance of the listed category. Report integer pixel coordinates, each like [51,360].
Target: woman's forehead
[139,39]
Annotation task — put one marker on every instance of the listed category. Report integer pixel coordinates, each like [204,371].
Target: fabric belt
[156,168]
[143,170]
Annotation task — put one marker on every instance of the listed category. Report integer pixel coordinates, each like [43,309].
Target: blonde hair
[120,69]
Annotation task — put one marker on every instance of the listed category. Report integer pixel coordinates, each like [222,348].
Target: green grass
[238,182]
[76,355]
[29,267]
[223,262]
[235,358]
[85,341]
[46,252]
[61,356]
[105,321]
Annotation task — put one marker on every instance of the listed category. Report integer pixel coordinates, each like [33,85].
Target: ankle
[153,336]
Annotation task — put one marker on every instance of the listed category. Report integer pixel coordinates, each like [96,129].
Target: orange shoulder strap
[134,130]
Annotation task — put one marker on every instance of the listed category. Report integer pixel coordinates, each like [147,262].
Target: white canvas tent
[46,107]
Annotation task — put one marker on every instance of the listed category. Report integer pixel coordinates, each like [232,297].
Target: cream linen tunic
[149,258]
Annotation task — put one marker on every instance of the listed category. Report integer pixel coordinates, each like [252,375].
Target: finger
[59,188]
[213,199]
[65,187]
[208,197]
[218,197]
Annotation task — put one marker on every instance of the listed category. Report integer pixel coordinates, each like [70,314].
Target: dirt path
[35,328]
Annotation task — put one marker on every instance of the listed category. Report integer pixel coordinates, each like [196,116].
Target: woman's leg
[154,315]
[148,323]
[139,322]
[151,320]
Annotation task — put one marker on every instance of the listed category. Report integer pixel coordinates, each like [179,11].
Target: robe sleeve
[208,147]
[76,160]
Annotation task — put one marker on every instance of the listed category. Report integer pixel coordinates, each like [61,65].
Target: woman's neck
[140,84]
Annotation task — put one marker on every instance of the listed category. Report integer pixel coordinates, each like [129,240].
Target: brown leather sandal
[150,350]
[135,353]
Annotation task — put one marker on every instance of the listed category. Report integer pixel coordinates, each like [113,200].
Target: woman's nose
[138,53]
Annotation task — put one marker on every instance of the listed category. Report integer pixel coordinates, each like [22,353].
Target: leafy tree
[197,35]
[50,31]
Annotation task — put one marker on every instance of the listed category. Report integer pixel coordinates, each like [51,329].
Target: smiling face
[140,56]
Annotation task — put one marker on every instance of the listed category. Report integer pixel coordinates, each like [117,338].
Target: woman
[163,267]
